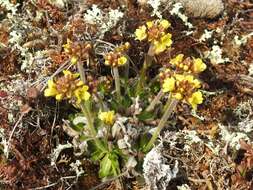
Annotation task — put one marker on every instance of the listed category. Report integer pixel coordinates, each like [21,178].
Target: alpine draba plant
[108,122]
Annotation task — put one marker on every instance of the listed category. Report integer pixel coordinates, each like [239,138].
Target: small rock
[203,8]
[196,8]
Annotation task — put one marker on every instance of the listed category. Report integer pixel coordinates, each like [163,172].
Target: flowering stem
[146,64]
[154,101]
[165,117]
[91,127]
[117,81]
[141,83]
[81,71]
[87,114]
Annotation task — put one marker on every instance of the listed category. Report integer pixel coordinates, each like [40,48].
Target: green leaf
[97,155]
[144,139]
[145,116]
[109,165]
[105,167]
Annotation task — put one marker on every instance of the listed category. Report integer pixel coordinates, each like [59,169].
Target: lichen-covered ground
[210,148]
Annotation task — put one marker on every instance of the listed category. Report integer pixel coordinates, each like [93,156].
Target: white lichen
[104,21]
[157,173]
[57,151]
[246,125]
[177,11]
[59,3]
[244,109]
[124,142]
[9,6]
[213,147]
[250,70]
[3,142]
[191,137]
[207,35]
[155,4]
[26,59]
[232,138]
[183,187]
[239,41]
[215,55]
[77,167]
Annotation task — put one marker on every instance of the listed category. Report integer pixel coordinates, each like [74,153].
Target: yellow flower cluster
[188,65]
[117,58]
[155,33]
[184,87]
[107,117]
[76,51]
[67,87]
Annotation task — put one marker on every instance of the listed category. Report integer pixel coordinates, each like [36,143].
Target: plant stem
[165,117]
[81,71]
[154,101]
[91,127]
[146,64]
[117,82]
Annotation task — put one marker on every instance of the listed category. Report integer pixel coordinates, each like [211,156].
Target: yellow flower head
[165,24]
[178,59]
[150,24]
[198,65]
[51,89]
[82,94]
[184,87]
[67,87]
[107,117]
[195,99]
[163,43]
[168,84]
[178,96]
[67,46]
[74,60]
[155,32]
[70,74]
[195,82]
[140,33]
[122,60]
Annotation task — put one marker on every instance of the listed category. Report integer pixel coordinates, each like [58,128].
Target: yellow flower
[107,117]
[179,77]
[163,43]
[195,82]
[178,96]
[198,65]
[150,24]
[82,93]
[67,72]
[59,97]
[140,33]
[178,59]
[195,99]
[51,89]
[67,46]
[74,60]
[165,24]
[122,60]
[168,85]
